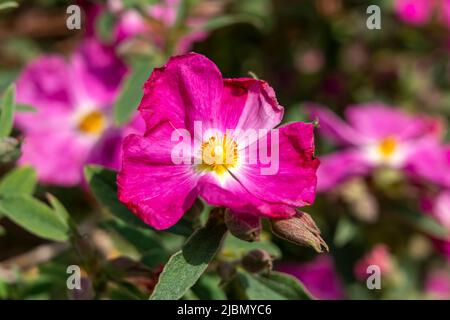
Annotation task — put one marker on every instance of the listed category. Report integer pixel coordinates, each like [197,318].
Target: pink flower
[378,256]
[416,12]
[431,162]
[318,276]
[419,12]
[375,135]
[73,119]
[159,185]
[439,208]
[161,17]
[437,284]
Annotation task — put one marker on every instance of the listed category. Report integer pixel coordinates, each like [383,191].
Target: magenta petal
[333,127]
[272,195]
[96,73]
[294,182]
[187,89]
[416,12]
[235,197]
[319,277]
[378,121]
[249,104]
[156,190]
[44,83]
[431,161]
[58,157]
[337,167]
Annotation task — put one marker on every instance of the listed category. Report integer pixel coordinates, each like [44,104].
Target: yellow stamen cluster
[219,154]
[92,123]
[387,147]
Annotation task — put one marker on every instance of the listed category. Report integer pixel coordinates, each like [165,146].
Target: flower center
[92,123]
[387,147]
[219,154]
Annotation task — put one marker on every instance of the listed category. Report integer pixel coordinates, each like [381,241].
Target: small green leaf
[34,216]
[238,248]
[8,5]
[25,108]
[59,209]
[103,184]
[421,221]
[21,180]
[7,112]
[208,288]
[345,232]
[227,20]
[187,265]
[273,286]
[131,91]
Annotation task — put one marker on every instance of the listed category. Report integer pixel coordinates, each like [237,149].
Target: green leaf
[131,91]
[273,286]
[235,247]
[142,239]
[7,112]
[21,180]
[345,232]
[104,24]
[25,108]
[421,221]
[59,209]
[8,5]
[34,216]
[186,266]
[208,288]
[103,184]
[227,20]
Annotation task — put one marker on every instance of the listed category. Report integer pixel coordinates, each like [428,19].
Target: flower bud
[257,260]
[243,226]
[299,229]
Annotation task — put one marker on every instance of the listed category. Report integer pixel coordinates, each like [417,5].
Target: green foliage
[186,266]
[102,182]
[131,91]
[34,216]
[21,180]
[7,112]
[272,286]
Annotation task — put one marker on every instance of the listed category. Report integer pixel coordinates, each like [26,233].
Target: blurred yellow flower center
[92,123]
[387,147]
[219,154]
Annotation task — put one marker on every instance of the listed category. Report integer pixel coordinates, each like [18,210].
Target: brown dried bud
[257,260]
[301,230]
[243,226]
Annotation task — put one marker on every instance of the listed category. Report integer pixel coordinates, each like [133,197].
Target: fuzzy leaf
[7,112]
[186,266]
[21,180]
[34,216]
[273,286]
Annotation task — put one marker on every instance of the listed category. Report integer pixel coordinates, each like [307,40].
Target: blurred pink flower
[416,12]
[161,17]
[375,135]
[378,256]
[431,162]
[74,118]
[419,12]
[318,276]
[190,90]
[437,284]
